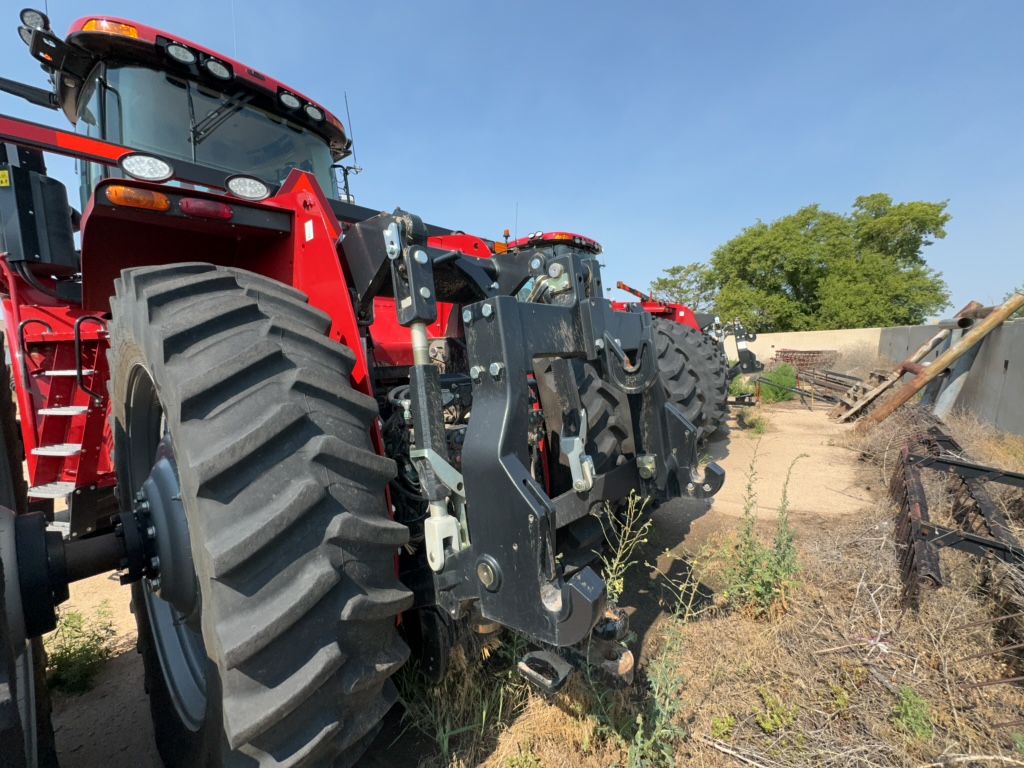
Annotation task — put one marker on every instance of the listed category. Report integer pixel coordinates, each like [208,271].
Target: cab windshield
[180,119]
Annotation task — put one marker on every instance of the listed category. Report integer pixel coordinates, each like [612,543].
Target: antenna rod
[354,168]
[351,133]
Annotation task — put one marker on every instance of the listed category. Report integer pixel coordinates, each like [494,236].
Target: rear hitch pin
[442,528]
[580,464]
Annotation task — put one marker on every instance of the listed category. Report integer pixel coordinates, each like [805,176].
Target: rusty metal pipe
[927,347]
[978,313]
[947,358]
[914,368]
[963,323]
[892,378]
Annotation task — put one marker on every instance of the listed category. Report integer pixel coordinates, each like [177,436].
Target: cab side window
[90,122]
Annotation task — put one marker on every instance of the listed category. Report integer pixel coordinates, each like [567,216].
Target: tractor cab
[125,83]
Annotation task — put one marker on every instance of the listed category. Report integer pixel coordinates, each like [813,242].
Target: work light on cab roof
[124,44]
[535,239]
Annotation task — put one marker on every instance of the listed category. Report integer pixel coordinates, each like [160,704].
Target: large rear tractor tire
[609,426]
[268,635]
[692,375]
[720,383]
[26,733]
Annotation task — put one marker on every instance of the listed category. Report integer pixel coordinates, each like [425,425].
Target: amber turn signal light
[130,197]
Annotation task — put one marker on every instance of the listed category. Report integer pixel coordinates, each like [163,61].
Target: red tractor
[692,358]
[306,433]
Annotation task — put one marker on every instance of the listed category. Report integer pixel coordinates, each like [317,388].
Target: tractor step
[61,449]
[68,372]
[56,490]
[64,410]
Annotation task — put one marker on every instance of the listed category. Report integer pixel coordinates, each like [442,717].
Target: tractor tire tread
[293,546]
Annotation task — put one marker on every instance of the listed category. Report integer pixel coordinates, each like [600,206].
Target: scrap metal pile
[981,530]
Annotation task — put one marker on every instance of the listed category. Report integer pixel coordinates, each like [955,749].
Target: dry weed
[827,676]
[755,419]
[880,446]
[986,443]
[861,360]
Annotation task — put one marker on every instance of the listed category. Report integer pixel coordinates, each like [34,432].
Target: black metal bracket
[546,671]
[969,471]
[981,546]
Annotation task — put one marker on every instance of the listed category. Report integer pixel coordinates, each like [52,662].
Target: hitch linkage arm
[505,558]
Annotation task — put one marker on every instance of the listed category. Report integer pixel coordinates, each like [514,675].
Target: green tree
[816,269]
[691,285]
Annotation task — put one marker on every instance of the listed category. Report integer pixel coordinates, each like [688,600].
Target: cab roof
[107,37]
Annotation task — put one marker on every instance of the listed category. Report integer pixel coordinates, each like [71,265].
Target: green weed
[776,716]
[912,715]
[625,532]
[1018,743]
[722,728]
[643,722]
[77,649]
[525,759]
[784,375]
[741,385]
[840,701]
[758,577]
[685,599]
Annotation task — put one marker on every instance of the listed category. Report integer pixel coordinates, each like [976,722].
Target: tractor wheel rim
[177,637]
[182,658]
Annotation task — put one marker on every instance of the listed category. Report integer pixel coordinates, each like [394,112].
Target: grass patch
[754,419]
[741,385]
[721,728]
[77,649]
[464,713]
[783,375]
[911,715]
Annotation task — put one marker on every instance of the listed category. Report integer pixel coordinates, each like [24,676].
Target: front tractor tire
[268,633]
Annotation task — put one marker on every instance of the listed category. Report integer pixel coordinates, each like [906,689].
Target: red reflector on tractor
[130,197]
[207,209]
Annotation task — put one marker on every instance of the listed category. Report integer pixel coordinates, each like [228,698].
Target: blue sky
[660,129]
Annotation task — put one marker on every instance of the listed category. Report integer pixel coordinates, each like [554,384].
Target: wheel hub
[159,503]
[172,590]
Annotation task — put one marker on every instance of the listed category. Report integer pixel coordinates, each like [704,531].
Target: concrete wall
[866,339]
[994,388]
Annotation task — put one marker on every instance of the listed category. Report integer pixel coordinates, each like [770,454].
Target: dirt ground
[110,724]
